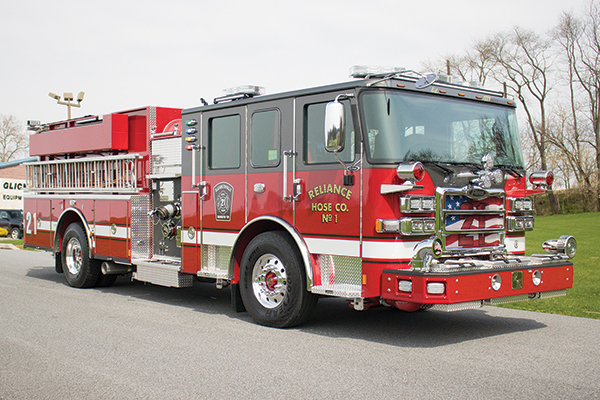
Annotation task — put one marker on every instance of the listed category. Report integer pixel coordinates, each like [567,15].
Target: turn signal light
[387,225]
[406,226]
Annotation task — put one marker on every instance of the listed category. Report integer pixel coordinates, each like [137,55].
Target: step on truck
[393,189]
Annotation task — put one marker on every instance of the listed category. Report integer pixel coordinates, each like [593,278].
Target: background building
[12,183]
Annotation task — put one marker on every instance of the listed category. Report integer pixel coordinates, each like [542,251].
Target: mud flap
[236,299]
[58,263]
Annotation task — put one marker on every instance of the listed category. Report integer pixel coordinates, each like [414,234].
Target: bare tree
[574,156]
[13,141]
[475,65]
[481,60]
[524,62]
[580,39]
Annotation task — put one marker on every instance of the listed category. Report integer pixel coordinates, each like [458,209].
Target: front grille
[469,223]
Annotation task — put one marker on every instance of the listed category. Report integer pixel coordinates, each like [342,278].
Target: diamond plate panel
[141,239]
[468,305]
[553,293]
[215,261]
[340,276]
[152,118]
[163,274]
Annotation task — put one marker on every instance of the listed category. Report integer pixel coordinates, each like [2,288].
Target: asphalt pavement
[137,341]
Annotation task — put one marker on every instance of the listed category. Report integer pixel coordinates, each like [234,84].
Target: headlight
[417,204]
[518,204]
[417,226]
[521,204]
[521,223]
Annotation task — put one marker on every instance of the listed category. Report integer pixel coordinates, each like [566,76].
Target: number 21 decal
[31,218]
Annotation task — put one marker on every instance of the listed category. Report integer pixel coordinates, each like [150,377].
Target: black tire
[273,282]
[79,270]
[15,233]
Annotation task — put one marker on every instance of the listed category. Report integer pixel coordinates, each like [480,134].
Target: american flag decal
[471,229]
[458,222]
[460,202]
[472,240]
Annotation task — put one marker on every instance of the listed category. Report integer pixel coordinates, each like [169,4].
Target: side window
[314,136]
[224,142]
[265,140]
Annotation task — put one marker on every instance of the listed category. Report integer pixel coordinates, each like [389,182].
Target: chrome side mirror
[335,124]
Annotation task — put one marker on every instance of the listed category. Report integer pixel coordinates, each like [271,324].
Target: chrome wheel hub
[73,256]
[269,281]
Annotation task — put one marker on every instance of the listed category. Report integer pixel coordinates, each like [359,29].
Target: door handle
[286,154]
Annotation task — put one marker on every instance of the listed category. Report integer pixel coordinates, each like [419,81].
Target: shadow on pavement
[332,317]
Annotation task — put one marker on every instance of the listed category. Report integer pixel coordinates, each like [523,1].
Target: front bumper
[471,285]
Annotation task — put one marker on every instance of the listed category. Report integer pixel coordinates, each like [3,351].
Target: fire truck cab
[393,189]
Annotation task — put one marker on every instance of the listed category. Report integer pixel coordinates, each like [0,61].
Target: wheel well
[260,226]
[66,219]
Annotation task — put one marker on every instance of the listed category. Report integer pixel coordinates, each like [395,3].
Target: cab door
[224,206]
[270,130]
[328,211]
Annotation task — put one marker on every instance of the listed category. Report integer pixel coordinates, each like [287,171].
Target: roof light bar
[457,80]
[240,92]
[245,89]
[373,71]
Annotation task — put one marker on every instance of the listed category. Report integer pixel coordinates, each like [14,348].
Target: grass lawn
[18,242]
[583,300]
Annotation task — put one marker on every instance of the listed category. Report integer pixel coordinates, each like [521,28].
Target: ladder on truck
[89,174]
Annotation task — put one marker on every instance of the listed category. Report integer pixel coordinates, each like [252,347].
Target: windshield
[17,214]
[403,126]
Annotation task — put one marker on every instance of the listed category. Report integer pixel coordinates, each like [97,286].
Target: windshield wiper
[512,169]
[467,164]
[438,164]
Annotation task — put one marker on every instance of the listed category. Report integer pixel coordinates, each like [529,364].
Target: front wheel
[15,233]
[273,282]
[79,270]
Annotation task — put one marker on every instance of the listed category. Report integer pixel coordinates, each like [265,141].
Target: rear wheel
[273,282]
[79,270]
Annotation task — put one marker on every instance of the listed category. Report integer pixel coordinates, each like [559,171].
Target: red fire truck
[393,189]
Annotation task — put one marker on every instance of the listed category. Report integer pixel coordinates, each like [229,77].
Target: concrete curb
[8,246]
